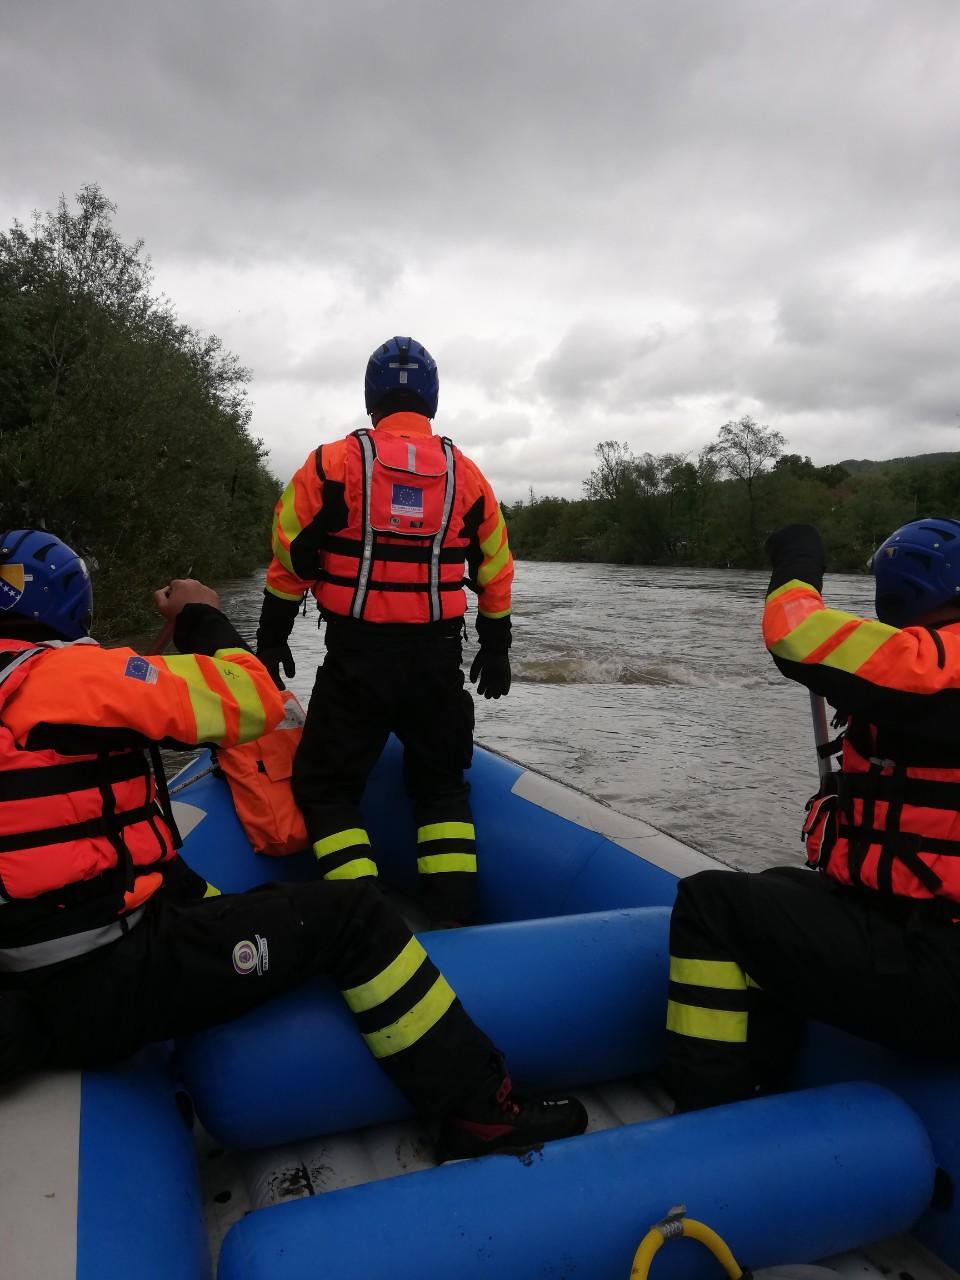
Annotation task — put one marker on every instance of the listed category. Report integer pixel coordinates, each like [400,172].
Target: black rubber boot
[502,1122]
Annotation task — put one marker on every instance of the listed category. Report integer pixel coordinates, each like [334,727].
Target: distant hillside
[924,459]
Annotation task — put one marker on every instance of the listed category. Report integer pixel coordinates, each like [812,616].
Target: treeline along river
[648,688]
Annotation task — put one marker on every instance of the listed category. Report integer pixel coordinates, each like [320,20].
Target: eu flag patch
[406,500]
[141,669]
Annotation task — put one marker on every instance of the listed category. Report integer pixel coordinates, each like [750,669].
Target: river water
[648,688]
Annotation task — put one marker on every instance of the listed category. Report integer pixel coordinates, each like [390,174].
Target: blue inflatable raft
[269,1147]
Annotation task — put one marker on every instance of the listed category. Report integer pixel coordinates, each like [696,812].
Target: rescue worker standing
[379,525]
[108,940]
[871,944]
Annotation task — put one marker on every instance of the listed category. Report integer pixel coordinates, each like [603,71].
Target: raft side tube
[542,848]
[569,1000]
[931,1088]
[140,1209]
[795,1177]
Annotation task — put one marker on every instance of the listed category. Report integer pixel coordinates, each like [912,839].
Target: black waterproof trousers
[186,965]
[407,681]
[753,955]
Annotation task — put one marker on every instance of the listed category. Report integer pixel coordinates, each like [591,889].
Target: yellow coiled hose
[674,1225]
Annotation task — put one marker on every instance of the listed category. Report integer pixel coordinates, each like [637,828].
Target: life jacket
[400,557]
[67,820]
[258,774]
[890,818]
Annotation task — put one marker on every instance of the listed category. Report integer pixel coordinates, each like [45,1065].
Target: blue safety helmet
[43,581]
[917,570]
[402,374]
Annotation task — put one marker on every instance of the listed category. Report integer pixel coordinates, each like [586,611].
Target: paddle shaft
[821,734]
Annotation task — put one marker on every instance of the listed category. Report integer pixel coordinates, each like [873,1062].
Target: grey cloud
[627,220]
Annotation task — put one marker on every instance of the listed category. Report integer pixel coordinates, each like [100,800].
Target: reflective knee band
[708,1000]
[446,846]
[344,855]
[381,997]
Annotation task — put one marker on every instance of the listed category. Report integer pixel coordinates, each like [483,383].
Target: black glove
[796,551]
[273,656]
[276,622]
[493,672]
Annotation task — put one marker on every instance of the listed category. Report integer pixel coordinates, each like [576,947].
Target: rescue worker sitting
[378,526]
[108,940]
[871,942]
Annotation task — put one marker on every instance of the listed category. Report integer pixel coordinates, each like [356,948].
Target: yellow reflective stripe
[284,595]
[795,584]
[446,831]
[407,1030]
[859,646]
[211,891]
[207,706]
[435,862]
[340,840]
[724,974]
[488,613]
[707,1024]
[808,635]
[490,568]
[285,521]
[388,981]
[820,626]
[491,543]
[352,870]
[253,719]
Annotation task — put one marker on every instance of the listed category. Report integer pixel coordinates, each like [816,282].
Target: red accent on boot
[485,1132]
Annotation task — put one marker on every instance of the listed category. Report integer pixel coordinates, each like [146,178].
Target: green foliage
[122,430]
[718,510]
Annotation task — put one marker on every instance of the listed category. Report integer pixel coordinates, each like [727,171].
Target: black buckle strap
[163,796]
[87,829]
[77,775]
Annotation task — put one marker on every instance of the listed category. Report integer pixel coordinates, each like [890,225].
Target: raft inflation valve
[677,1224]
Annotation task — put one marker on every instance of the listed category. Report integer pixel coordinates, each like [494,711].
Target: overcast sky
[606,218]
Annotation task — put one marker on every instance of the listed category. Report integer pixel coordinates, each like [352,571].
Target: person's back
[386,527]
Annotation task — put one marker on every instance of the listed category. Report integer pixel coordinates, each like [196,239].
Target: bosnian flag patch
[12,583]
[141,669]
[406,500]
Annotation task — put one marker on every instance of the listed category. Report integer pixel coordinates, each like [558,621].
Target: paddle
[821,735]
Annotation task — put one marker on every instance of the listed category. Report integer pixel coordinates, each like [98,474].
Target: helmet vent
[926,561]
[41,553]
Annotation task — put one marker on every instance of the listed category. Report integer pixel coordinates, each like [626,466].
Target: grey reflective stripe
[411,457]
[40,954]
[363,576]
[435,610]
[12,666]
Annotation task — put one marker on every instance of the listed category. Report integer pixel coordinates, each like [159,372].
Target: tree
[121,428]
[742,451]
[609,480]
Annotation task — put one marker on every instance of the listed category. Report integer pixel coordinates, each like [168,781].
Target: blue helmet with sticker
[402,374]
[917,570]
[43,581]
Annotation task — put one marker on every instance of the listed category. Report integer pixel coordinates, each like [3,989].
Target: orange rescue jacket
[78,799]
[890,820]
[258,774]
[379,525]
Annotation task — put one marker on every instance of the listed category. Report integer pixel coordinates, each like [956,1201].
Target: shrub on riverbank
[122,430]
